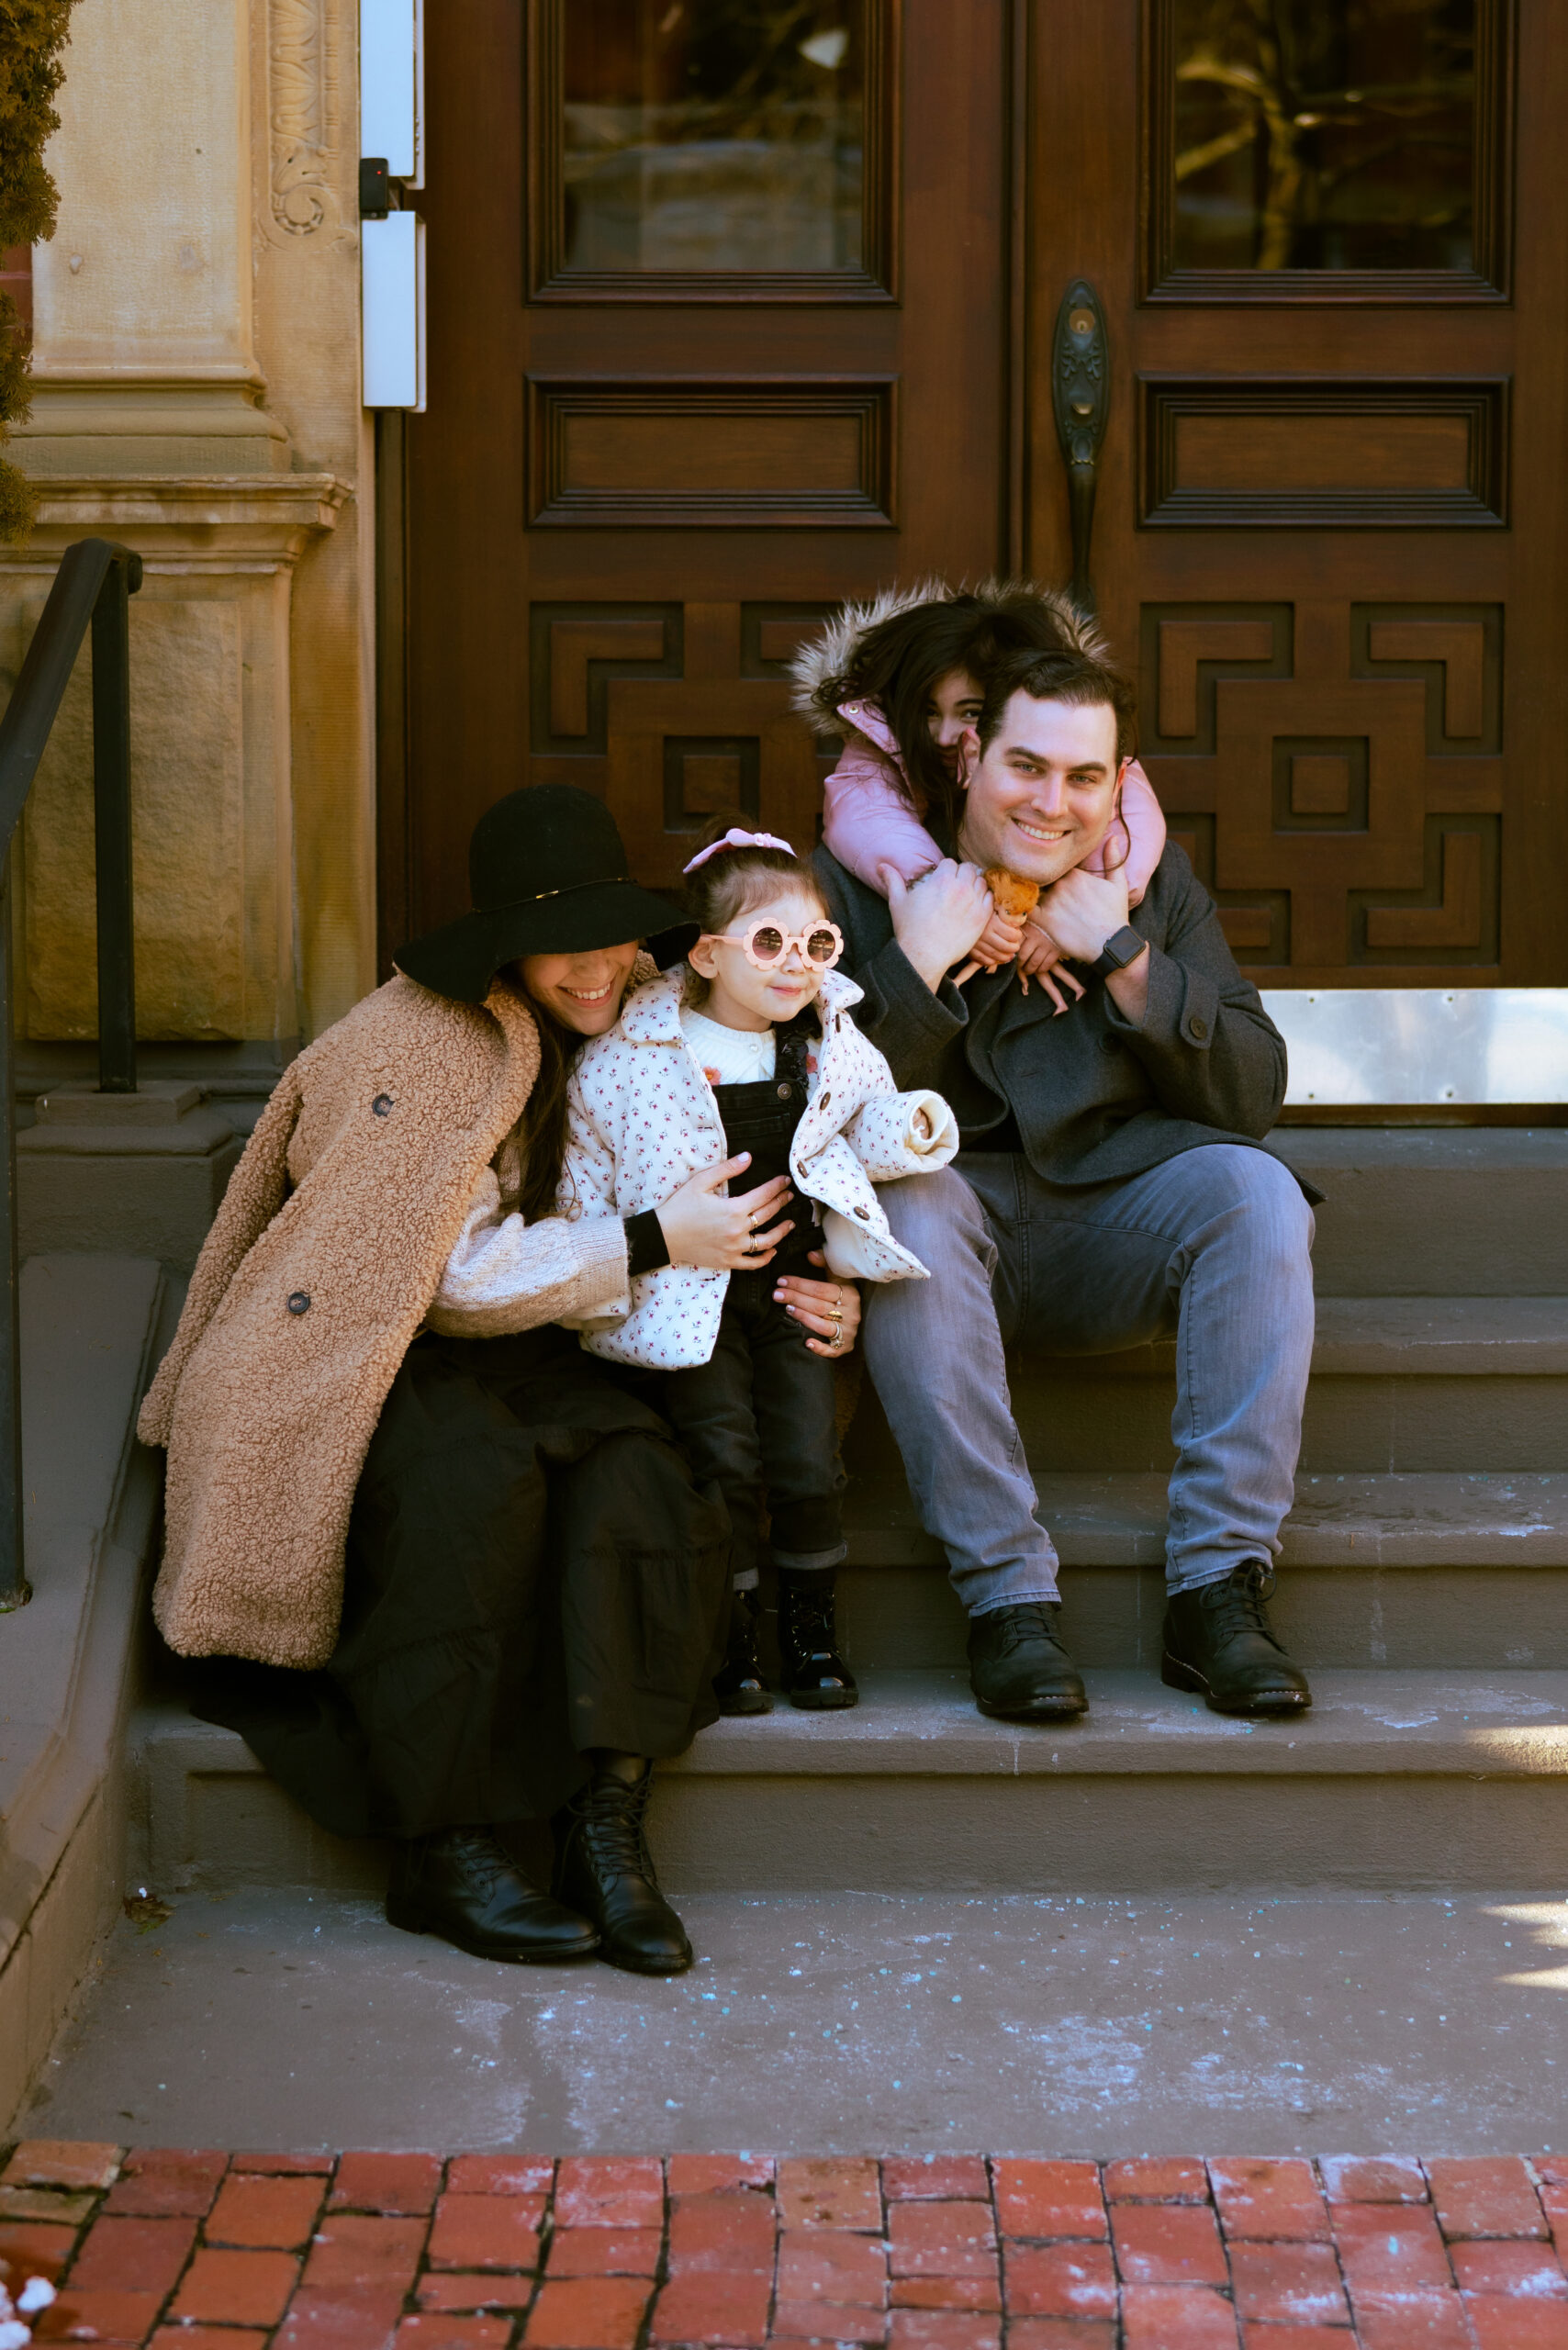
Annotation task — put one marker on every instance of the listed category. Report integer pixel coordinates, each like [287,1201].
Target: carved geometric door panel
[1328,428]
[1333,770]
[673,714]
[737,312]
[707,355]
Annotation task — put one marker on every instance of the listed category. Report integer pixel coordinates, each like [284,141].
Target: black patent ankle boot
[603,1867]
[738,1685]
[461,1883]
[815,1677]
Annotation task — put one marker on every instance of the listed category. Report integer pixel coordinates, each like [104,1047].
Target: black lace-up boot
[738,1685]
[604,1868]
[1219,1641]
[1019,1670]
[462,1885]
[815,1677]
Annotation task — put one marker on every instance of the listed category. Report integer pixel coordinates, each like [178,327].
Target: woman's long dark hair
[542,1129]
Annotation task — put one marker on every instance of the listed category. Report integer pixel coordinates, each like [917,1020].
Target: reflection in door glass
[714,134]
[1324,134]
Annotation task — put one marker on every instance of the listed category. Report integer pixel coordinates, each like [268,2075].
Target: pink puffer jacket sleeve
[867,820]
[1137,836]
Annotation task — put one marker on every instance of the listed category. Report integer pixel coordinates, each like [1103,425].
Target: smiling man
[1110,1189]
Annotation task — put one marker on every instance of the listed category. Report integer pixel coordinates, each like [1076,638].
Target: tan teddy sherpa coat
[303,1302]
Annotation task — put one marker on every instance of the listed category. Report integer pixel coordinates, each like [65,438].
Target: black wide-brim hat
[547,874]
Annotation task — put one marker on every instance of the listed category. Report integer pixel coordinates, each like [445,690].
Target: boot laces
[810,1617]
[1239,1603]
[612,1816]
[1031,1619]
[482,1857]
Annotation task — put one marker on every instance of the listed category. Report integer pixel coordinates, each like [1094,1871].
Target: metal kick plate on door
[1415,1047]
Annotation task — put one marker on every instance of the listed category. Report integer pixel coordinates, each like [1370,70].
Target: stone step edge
[1444,1337]
[1400,1519]
[925,1725]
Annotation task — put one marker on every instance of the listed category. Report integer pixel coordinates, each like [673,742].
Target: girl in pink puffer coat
[905,676]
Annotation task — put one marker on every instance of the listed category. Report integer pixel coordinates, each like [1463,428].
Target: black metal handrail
[92,588]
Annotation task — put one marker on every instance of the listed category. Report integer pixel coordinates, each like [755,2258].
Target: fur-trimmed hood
[819,670]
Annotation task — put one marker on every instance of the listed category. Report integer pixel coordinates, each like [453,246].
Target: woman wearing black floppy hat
[448,1575]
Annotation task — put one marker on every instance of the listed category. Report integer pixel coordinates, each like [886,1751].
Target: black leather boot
[462,1885]
[1019,1670]
[738,1685]
[1219,1641]
[815,1677]
[604,1868]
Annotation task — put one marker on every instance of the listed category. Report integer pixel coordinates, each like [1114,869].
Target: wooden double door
[1252,315]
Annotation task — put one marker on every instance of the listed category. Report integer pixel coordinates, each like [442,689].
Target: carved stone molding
[305,118]
[244,522]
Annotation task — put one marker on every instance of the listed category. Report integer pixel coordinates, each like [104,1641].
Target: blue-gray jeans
[1214,1245]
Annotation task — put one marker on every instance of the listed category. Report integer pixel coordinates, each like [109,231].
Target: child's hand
[724,1236]
[1039,958]
[998,943]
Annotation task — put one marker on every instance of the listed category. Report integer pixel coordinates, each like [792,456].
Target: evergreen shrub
[32,33]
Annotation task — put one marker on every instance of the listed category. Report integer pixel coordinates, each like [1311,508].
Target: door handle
[1081,397]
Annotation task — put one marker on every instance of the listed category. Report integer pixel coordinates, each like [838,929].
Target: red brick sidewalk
[193,2250]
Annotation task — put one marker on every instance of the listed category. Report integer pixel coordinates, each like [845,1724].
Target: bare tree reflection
[1316,134]
[714,134]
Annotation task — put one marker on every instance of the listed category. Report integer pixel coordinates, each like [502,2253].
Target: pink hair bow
[735,838]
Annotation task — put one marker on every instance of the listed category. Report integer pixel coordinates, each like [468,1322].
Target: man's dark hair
[1061,676]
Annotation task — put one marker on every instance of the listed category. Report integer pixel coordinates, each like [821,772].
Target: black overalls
[758,1419]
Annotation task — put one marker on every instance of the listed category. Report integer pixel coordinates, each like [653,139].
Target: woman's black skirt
[531,1572]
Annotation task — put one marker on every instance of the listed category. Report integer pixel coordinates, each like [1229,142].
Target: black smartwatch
[1123,946]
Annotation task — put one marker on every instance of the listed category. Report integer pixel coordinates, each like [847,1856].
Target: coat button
[300,1302]
[1197,1029]
[382,1105]
[823,1101]
[784,1093]
[864,1214]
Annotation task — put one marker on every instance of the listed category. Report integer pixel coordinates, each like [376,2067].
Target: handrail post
[15,1589]
[111,809]
[93,585]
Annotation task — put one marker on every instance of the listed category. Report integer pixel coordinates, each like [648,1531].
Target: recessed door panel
[718,296]
[1328,507]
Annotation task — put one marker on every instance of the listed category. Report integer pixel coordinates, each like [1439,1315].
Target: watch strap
[1123,946]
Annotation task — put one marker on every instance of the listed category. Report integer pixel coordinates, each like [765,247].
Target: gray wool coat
[1085,1095]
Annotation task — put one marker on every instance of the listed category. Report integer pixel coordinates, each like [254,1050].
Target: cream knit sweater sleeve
[506,1275]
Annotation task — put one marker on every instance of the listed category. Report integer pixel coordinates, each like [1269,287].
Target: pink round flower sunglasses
[766,944]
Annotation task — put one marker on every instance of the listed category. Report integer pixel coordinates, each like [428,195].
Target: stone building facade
[196,371]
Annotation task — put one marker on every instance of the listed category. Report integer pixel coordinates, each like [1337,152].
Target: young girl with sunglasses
[905,676]
[749,1054]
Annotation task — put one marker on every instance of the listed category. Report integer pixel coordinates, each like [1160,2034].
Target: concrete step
[1398,1383]
[1434,1211]
[829,2023]
[1404,1571]
[1396,1781]
[92,1328]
